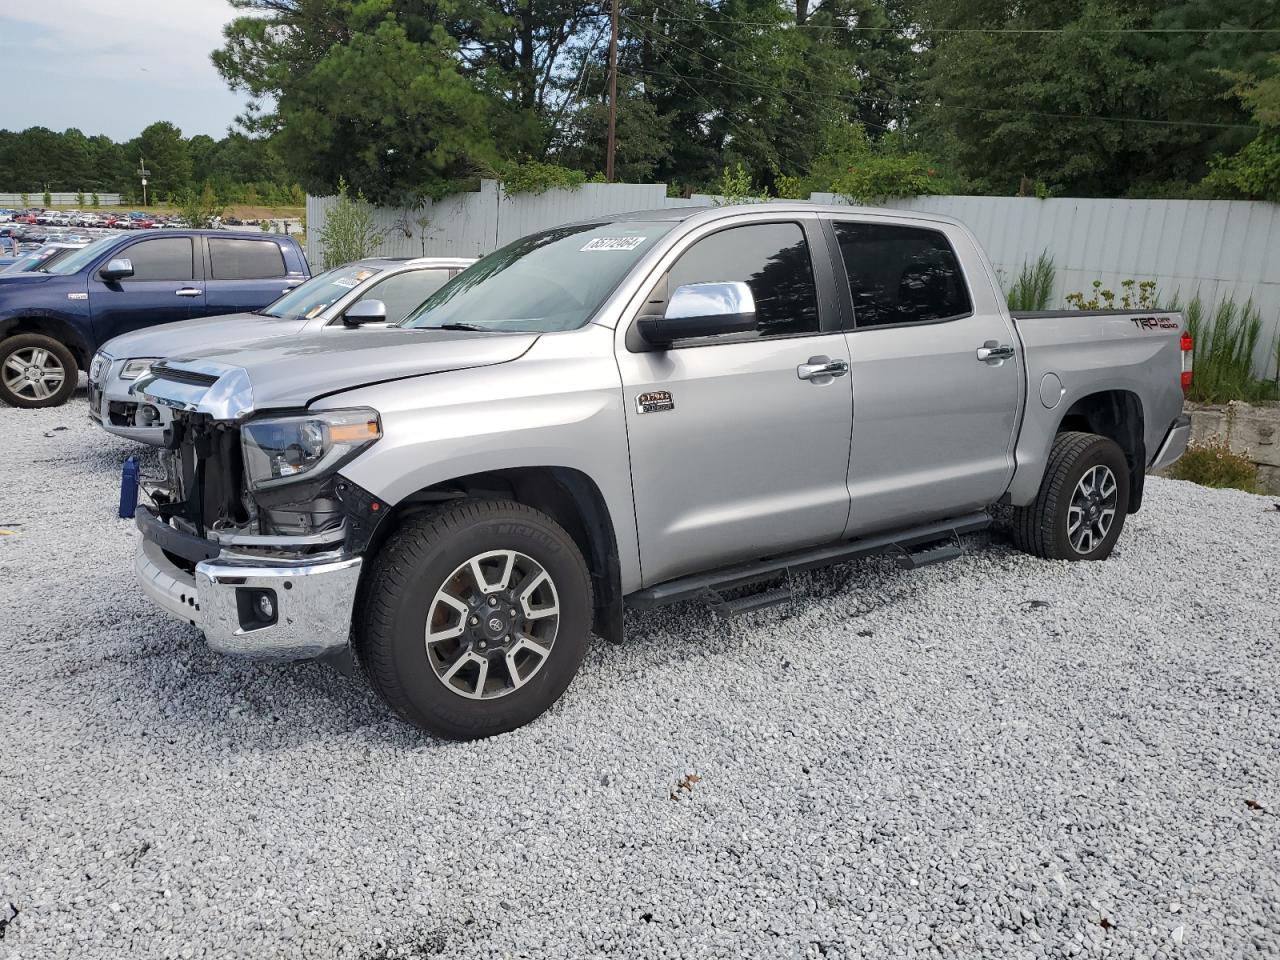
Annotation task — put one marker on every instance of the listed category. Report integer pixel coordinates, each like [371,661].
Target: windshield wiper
[459,326]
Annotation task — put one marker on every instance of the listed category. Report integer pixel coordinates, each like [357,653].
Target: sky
[114,66]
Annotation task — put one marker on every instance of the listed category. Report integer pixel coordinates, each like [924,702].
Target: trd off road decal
[655,401]
[1154,323]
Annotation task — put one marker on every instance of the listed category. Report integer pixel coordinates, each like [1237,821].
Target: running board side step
[752,602]
[926,540]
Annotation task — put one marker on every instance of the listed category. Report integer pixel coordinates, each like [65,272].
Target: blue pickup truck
[54,318]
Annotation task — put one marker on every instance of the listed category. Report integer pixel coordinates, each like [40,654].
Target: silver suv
[373,291]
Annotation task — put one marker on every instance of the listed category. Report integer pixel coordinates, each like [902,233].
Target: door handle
[188,292]
[994,351]
[821,369]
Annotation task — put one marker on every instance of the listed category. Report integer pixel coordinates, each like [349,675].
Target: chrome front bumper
[313,602]
[1175,444]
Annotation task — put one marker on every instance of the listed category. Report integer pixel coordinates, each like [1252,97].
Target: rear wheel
[36,371]
[1083,500]
[476,618]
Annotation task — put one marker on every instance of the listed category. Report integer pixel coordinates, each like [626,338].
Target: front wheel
[476,618]
[1083,500]
[36,371]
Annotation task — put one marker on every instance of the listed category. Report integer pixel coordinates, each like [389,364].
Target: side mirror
[702,310]
[120,269]
[366,311]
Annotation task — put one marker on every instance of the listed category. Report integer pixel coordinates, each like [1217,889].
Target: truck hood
[232,383]
[190,338]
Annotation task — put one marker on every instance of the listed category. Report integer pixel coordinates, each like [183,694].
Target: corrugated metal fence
[36,198]
[1219,248]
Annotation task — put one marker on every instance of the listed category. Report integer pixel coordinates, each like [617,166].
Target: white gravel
[908,764]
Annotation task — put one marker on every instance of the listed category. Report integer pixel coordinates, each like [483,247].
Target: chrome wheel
[491,626]
[34,373]
[1092,510]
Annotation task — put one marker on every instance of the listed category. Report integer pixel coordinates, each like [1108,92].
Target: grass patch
[1034,286]
[1213,464]
[1226,341]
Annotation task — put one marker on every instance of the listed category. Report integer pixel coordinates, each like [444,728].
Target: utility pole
[143,173]
[613,94]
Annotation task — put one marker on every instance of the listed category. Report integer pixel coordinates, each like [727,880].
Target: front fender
[559,405]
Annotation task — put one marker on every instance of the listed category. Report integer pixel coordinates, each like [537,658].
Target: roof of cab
[680,214]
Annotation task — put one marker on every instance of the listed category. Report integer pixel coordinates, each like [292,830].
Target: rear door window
[164,258]
[900,274]
[245,259]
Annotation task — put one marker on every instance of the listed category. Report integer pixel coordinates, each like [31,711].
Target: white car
[386,290]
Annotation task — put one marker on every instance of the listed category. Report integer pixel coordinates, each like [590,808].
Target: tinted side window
[901,274]
[405,291]
[165,258]
[245,259]
[773,259]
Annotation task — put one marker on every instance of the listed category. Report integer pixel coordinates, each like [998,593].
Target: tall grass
[1226,341]
[1034,286]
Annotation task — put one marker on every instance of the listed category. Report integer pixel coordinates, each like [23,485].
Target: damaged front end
[251,534]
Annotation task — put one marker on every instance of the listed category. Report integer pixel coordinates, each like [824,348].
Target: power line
[916,29]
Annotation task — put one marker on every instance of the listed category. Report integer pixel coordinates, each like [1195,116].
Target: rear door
[934,413]
[245,274]
[737,450]
[166,286]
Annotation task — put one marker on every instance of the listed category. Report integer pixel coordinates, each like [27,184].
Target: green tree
[1254,171]
[349,231]
[363,91]
[48,199]
[164,151]
[1116,97]
[202,209]
[97,202]
[80,198]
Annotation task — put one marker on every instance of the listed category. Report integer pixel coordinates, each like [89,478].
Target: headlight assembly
[305,447]
[133,369]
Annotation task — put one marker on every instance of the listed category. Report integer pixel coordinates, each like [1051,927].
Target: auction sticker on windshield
[612,243]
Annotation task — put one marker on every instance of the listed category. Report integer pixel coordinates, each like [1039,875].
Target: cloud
[114,66]
[104,38]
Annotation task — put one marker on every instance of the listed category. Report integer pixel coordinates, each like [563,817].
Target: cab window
[164,258]
[772,259]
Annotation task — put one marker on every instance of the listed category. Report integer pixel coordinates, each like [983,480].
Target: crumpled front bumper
[312,602]
[115,408]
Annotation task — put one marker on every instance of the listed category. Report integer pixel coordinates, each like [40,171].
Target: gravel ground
[996,757]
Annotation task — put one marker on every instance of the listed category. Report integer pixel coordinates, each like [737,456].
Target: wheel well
[1117,415]
[569,497]
[53,327]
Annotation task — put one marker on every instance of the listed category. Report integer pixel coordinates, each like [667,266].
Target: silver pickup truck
[656,407]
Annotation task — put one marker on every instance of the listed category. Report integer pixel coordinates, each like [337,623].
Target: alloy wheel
[1092,509]
[492,624]
[34,373]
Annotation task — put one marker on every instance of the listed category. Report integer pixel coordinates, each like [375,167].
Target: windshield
[319,293]
[549,281]
[77,259]
[29,261]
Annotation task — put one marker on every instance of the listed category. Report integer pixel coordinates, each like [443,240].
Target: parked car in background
[638,410]
[371,292]
[53,319]
[42,256]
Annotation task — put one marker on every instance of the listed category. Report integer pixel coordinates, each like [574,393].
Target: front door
[738,449]
[933,414]
[163,287]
